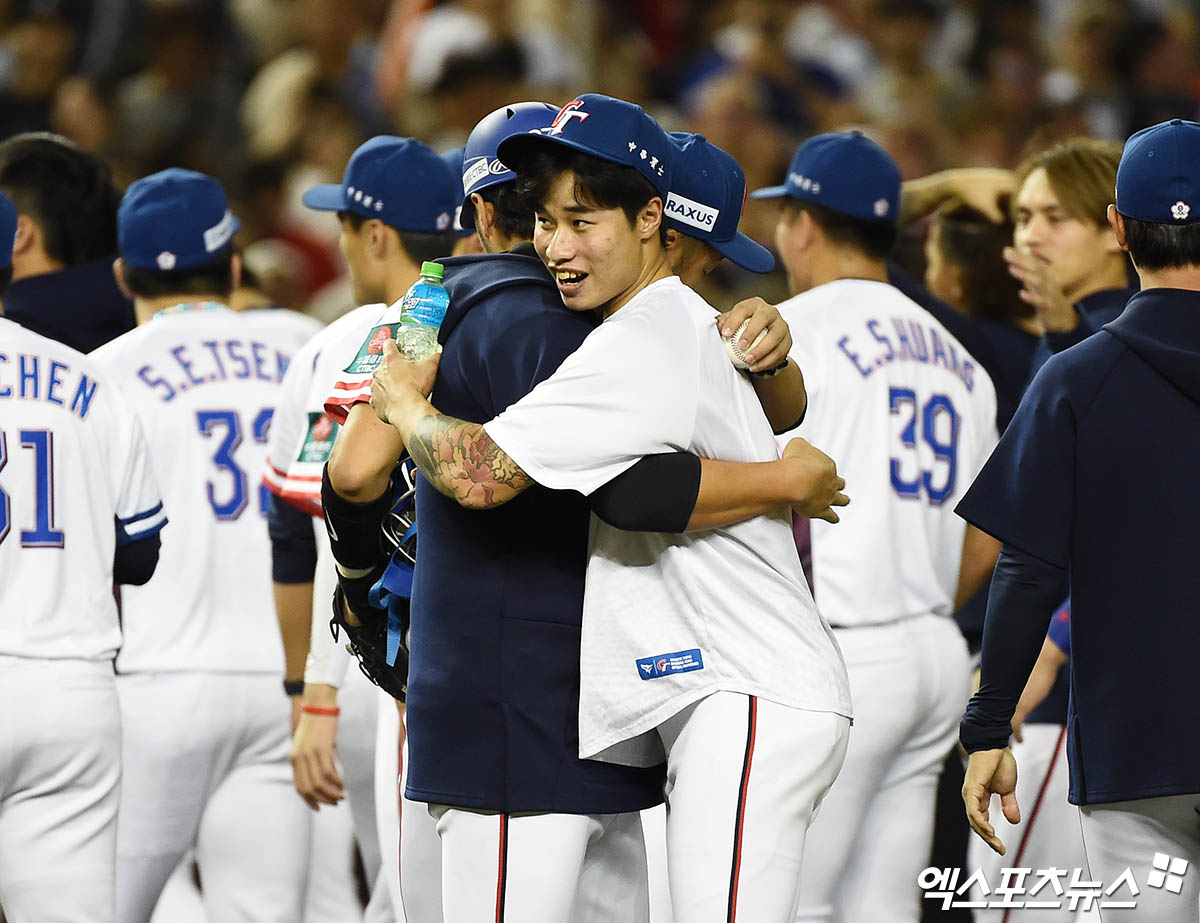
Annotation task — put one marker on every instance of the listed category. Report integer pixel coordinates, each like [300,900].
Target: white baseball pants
[909,682]
[541,868]
[206,764]
[744,779]
[1131,834]
[60,771]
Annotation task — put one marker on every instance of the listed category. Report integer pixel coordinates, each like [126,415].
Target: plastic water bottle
[421,314]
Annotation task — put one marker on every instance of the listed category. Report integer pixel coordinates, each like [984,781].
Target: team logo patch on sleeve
[318,441]
[666,664]
[370,354]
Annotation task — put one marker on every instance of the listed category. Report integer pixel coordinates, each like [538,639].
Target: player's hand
[314,772]
[1039,288]
[990,772]
[815,484]
[397,376]
[761,316]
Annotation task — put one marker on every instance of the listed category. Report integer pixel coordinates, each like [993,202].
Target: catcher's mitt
[368,642]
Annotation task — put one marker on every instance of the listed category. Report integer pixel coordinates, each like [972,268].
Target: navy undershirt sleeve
[134,561]
[658,494]
[1023,595]
[293,543]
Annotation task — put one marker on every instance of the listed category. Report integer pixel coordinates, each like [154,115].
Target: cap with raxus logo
[708,192]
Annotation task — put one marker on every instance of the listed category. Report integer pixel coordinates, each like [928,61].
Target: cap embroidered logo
[570,111]
[1180,211]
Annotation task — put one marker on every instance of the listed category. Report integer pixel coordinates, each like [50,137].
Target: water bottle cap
[434,270]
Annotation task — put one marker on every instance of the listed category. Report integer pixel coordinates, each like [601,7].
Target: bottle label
[424,305]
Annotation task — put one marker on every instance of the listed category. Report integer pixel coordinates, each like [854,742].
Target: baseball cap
[400,181]
[454,160]
[708,192]
[1158,179]
[611,129]
[481,167]
[174,219]
[8,230]
[845,172]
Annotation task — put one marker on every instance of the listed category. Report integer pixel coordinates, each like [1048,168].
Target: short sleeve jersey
[669,619]
[909,418]
[75,479]
[204,383]
[302,432]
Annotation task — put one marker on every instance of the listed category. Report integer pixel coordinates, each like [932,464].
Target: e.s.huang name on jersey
[27,377]
[901,340]
[218,360]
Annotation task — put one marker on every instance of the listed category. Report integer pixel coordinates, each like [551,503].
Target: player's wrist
[320,694]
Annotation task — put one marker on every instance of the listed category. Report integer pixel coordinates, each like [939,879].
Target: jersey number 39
[928,465]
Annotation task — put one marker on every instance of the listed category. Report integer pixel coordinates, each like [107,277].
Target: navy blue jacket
[80,306]
[1097,473]
[497,604]
[1095,310]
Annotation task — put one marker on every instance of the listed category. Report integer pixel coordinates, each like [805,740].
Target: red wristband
[328,711]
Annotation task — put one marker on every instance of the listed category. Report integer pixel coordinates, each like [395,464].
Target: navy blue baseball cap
[481,167]
[608,128]
[400,181]
[707,195]
[454,160]
[1158,179]
[845,172]
[174,219]
[8,230]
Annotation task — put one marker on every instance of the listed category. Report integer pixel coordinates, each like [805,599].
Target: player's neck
[34,263]
[1112,275]
[655,268]
[145,308]
[1185,278]
[833,263]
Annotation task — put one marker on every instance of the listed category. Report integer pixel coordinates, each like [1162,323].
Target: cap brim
[747,253]
[770,192]
[328,197]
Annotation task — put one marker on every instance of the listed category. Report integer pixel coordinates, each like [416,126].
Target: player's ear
[29,236]
[119,275]
[673,239]
[485,214]
[650,218]
[1117,223]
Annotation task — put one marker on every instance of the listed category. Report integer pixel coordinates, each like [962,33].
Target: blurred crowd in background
[272,96]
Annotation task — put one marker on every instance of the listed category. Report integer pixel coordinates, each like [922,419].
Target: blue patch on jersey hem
[666,664]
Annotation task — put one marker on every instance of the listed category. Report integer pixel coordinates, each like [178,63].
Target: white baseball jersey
[204,383]
[356,356]
[302,433]
[669,619]
[909,418]
[73,459]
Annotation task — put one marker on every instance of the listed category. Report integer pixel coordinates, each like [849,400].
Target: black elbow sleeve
[134,562]
[658,494]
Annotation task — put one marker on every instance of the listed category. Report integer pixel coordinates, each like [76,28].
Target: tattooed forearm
[462,462]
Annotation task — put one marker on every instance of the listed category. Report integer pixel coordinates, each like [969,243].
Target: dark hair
[874,238]
[67,191]
[975,245]
[599,183]
[514,217]
[420,245]
[6,275]
[1162,246]
[212,278]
